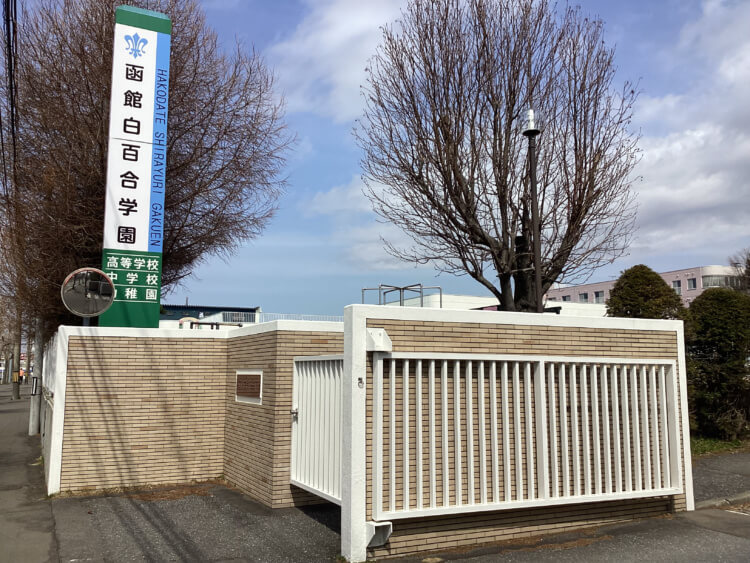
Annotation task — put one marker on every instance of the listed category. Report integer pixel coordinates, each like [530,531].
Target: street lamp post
[530,133]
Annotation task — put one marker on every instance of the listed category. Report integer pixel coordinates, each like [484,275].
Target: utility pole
[10,185]
[531,133]
[29,345]
[36,400]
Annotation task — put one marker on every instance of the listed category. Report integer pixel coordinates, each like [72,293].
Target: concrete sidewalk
[215,523]
[26,520]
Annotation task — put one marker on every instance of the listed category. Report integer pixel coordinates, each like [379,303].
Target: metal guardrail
[267,317]
[244,317]
[238,317]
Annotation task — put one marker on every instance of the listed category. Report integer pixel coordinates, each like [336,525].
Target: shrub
[718,347]
[641,293]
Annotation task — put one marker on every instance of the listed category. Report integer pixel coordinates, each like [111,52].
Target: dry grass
[170,491]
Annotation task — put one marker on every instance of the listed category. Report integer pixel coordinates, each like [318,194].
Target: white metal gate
[316,425]
[458,433]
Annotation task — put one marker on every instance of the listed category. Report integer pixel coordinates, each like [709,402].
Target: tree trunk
[17,359]
[7,371]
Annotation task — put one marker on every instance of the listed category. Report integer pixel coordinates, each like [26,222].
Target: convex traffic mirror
[87,292]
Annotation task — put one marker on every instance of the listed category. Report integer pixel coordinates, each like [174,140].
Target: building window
[692,283]
[583,297]
[677,286]
[566,297]
[249,386]
[712,281]
[598,297]
[552,299]
[721,281]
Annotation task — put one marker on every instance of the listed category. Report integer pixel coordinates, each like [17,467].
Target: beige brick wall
[411,536]
[473,530]
[162,410]
[258,437]
[142,411]
[475,338]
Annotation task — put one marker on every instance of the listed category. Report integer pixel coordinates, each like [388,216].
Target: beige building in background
[688,283]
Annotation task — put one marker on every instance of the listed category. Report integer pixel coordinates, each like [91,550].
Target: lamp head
[531,130]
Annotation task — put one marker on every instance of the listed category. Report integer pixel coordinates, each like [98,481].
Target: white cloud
[661,111]
[341,200]
[303,148]
[322,65]
[355,229]
[695,191]
[695,168]
[365,248]
[722,26]
[695,188]
[221,5]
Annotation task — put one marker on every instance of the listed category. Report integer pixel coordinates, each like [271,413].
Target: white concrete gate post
[353,446]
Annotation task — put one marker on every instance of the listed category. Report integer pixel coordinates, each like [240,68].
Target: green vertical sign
[136,165]
[137,280]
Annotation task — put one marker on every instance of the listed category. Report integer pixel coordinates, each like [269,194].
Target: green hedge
[718,349]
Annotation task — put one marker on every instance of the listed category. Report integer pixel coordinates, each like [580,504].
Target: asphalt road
[707,535]
[212,523]
[721,476]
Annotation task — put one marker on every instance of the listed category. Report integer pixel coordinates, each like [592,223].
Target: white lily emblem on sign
[136,43]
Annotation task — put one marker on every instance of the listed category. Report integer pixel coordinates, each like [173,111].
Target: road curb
[719,502]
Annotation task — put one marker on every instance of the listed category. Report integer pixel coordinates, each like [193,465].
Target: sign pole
[136,166]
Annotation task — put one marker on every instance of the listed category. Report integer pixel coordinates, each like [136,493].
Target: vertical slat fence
[521,431]
[316,425]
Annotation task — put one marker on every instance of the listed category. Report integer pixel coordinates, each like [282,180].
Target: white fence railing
[460,433]
[316,425]
[259,317]
[49,364]
[267,317]
[238,317]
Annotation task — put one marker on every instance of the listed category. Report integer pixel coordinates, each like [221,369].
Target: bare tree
[444,155]
[225,152]
[741,264]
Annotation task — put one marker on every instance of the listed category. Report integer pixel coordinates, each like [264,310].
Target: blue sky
[693,63]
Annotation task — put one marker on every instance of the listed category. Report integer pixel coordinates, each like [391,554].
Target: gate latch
[294,414]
